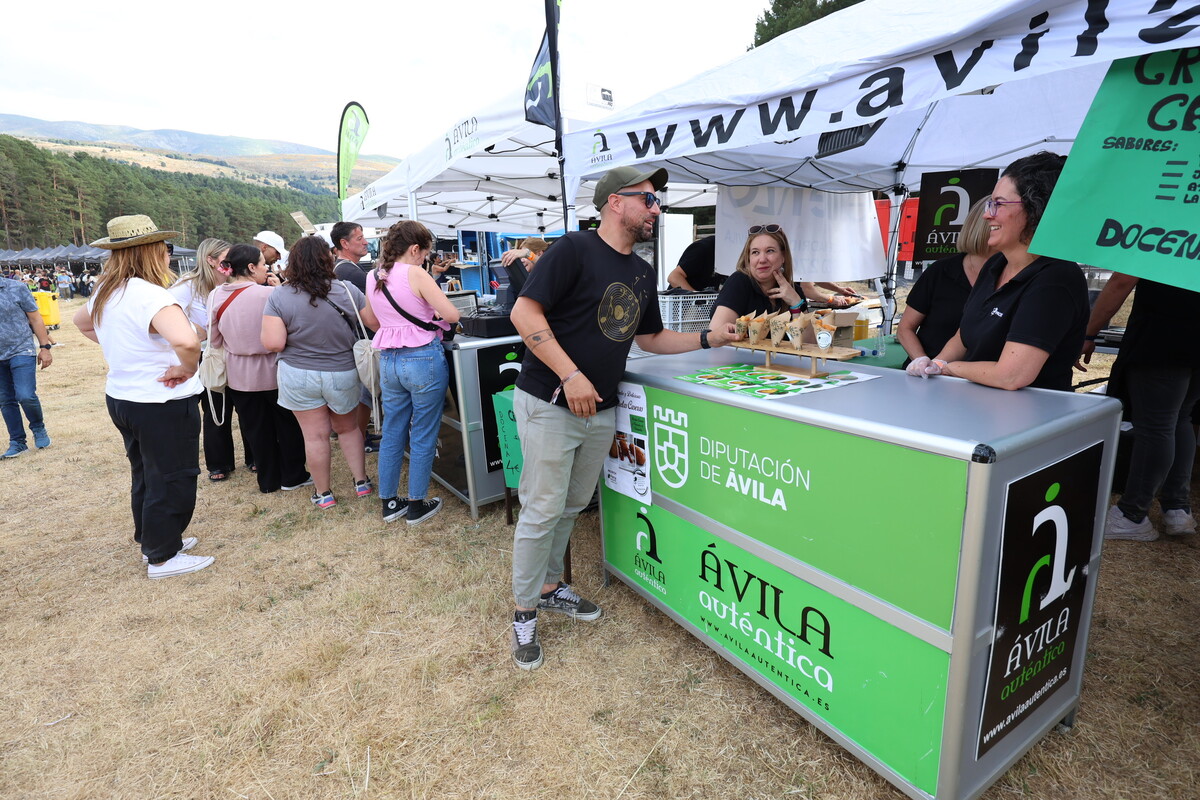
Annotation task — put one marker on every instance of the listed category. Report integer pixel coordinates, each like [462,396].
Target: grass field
[329,655]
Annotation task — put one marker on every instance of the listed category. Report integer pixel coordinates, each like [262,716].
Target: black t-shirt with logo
[1044,306]
[596,300]
[940,294]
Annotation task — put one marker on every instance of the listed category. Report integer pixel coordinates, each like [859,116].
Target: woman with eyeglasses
[1024,322]
[152,354]
[762,282]
[934,307]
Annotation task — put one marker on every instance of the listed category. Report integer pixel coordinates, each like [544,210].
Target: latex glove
[925,366]
[917,366]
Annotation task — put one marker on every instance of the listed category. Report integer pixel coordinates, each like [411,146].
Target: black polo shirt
[940,294]
[1044,306]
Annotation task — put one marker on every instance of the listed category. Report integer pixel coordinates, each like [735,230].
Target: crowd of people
[289,325]
[61,280]
[285,329]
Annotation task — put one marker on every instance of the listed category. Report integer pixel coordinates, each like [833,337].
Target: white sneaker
[179,565]
[188,544]
[1178,522]
[1119,526]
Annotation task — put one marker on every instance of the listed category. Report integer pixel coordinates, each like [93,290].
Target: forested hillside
[53,198]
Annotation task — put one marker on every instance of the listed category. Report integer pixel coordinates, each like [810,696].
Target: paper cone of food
[796,328]
[779,324]
[742,325]
[759,327]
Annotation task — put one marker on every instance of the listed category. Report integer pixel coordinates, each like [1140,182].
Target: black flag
[540,101]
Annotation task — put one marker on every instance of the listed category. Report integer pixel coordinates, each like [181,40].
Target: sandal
[216,475]
[252,467]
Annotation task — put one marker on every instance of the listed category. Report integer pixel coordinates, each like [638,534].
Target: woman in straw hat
[152,354]
[192,291]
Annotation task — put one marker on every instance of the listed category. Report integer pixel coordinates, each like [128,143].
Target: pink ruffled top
[394,330]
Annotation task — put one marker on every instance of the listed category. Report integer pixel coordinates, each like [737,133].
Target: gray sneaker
[1119,526]
[526,650]
[1179,522]
[564,600]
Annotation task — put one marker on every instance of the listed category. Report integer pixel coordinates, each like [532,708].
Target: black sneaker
[421,510]
[526,650]
[565,601]
[394,508]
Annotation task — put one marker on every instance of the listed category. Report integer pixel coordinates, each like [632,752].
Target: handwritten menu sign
[1129,195]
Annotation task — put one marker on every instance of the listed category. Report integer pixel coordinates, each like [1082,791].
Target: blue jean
[414,381]
[18,389]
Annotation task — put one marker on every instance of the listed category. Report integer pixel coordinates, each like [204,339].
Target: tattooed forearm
[539,337]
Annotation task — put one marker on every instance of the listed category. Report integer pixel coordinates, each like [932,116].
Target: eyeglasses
[992,205]
[651,198]
[170,248]
[772,228]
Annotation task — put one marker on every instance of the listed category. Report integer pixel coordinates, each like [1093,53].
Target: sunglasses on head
[651,198]
[772,228]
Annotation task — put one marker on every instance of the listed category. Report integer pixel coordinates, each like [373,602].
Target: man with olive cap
[271,244]
[579,313]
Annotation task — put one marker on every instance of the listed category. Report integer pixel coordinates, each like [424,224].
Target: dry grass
[327,655]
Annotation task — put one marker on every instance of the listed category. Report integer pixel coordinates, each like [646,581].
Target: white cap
[274,240]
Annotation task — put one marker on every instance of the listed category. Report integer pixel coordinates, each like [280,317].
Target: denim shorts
[309,389]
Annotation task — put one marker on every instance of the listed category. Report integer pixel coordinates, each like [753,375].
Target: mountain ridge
[179,141]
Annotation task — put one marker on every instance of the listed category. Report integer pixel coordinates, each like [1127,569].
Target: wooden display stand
[816,356]
[778,333]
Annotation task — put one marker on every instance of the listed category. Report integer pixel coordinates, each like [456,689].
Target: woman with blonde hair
[413,314]
[152,354]
[934,306]
[192,291]
[311,323]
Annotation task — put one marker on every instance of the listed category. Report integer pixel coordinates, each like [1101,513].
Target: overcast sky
[285,71]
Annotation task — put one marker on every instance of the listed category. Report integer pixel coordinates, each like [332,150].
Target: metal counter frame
[462,463]
[1004,451]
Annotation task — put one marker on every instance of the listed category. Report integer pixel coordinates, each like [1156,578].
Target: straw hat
[132,231]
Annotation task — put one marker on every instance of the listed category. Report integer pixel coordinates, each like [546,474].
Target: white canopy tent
[493,171]
[873,96]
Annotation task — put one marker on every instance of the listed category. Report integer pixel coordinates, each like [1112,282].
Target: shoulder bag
[366,357]
[214,373]
[447,334]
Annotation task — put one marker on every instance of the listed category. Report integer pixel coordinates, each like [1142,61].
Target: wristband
[563,382]
[704,345]
[1090,338]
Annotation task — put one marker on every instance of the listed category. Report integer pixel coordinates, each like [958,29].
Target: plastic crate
[688,313]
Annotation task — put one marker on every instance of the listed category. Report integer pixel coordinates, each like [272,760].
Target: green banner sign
[885,519]
[882,688]
[352,130]
[1129,195]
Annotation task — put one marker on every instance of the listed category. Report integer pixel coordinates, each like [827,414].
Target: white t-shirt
[136,358]
[195,306]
